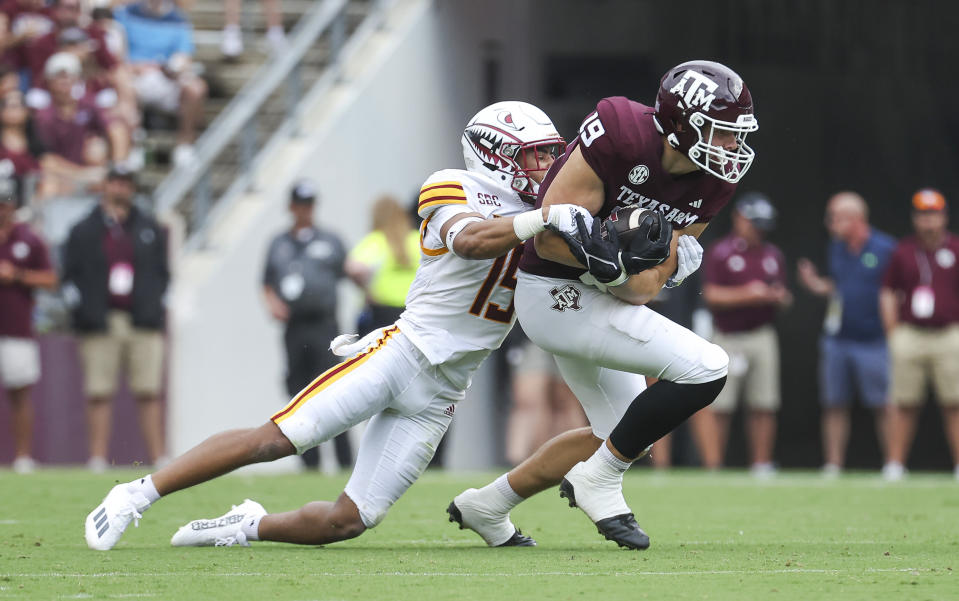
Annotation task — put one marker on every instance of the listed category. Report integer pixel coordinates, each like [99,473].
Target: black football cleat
[621,529]
[518,539]
[624,531]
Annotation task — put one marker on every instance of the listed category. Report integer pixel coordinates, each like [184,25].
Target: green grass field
[713,537]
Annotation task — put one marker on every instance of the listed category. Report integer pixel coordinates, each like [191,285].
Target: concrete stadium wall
[386,132]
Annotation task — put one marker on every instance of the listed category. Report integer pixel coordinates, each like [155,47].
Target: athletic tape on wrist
[623,276]
[456,228]
[528,224]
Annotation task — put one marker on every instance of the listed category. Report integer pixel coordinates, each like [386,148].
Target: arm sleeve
[431,236]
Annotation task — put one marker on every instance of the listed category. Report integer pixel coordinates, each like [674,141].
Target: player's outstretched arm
[576,184]
[471,236]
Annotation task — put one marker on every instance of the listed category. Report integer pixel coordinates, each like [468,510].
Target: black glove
[600,256]
[649,246]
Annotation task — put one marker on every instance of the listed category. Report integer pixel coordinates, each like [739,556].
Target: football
[626,221]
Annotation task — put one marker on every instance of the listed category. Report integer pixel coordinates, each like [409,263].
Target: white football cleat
[224,531]
[600,496]
[468,510]
[105,524]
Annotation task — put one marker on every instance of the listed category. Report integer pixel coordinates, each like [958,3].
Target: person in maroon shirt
[919,306]
[22,22]
[24,266]
[744,288]
[67,15]
[681,159]
[75,129]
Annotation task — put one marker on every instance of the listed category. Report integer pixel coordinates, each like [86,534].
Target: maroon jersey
[732,262]
[26,251]
[20,18]
[66,136]
[928,282]
[620,142]
[17,163]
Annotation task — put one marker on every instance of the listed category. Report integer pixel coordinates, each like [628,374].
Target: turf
[720,536]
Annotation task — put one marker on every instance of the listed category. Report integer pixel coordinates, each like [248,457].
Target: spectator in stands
[303,266]
[115,275]
[853,359]
[744,288]
[231,44]
[22,22]
[160,40]
[919,303]
[76,129]
[543,405]
[22,157]
[385,263]
[24,266]
[16,159]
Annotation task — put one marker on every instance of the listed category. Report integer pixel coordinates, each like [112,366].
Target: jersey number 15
[493,311]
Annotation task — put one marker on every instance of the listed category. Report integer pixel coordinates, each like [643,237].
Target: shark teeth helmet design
[497,136]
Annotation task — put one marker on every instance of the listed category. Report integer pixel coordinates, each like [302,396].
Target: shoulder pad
[442,188]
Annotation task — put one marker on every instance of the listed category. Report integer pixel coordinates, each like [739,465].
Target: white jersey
[458,310]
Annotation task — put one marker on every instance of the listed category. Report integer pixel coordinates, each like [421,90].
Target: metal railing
[237,122]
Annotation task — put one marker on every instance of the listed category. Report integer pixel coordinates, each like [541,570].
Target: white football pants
[604,345]
[409,404]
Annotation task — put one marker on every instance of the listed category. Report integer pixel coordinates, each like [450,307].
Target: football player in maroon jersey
[681,158]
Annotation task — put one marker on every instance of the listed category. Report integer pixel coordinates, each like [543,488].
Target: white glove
[689,256]
[562,218]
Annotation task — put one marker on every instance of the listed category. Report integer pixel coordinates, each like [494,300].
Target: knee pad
[715,361]
[712,364]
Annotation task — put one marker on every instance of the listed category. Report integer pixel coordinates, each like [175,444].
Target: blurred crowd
[80,80]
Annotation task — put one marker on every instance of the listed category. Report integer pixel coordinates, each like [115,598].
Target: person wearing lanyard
[919,303]
[115,276]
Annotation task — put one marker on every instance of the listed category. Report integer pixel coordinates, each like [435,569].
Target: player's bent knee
[269,443]
[715,361]
[713,364]
[346,518]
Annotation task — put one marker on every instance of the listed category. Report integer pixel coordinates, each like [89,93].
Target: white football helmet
[496,137]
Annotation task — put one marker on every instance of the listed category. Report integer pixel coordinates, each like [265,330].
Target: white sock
[251,527]
[509,495]
[145,487]
[604,462]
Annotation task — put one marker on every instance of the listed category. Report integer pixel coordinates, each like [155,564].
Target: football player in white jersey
[406,378]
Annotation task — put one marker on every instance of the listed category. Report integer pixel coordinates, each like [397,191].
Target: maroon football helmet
[698,100]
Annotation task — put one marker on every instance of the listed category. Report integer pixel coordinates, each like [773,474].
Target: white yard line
[468,575]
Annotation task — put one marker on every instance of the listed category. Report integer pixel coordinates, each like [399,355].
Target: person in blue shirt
[854,361]
[160,50]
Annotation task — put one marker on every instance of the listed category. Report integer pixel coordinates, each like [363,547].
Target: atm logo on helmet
[696,89]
